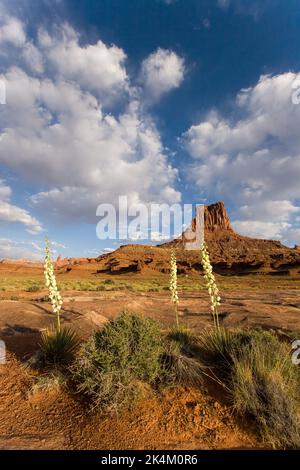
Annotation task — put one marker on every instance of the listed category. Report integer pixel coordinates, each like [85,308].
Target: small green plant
[58,346]
[173,284]
[211,285]
[33,288]
[116,360]
[109,281]
[53,380]
[100,288]
[14,297]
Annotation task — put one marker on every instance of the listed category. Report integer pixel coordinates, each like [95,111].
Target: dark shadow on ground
[20,340]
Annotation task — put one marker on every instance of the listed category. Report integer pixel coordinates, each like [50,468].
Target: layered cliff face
[216,218]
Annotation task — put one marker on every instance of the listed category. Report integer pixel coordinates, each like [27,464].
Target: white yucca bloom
[215,299]
[173,284]
[54,295]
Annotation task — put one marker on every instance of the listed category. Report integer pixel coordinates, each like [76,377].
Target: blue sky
[162,100]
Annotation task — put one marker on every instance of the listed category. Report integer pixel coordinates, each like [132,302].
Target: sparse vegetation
[55,379]
[260,380]
[131,357]
[14,298]
[33,288]
[183,337]
[114,366]
[265,385]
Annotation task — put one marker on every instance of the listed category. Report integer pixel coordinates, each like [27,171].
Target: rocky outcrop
[216,218]
[230,252]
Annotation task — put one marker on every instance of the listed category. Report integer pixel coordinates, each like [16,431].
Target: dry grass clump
[180,363]
[216,347]
[265,385]
[183,337]
[53,380]
[260,379]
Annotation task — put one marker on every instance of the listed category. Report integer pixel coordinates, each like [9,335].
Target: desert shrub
[265,385]
[101,287]
[111,367]
[109,281]
[58,346]
[33,288]
[45,298]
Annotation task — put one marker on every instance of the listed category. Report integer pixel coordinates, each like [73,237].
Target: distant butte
[230,253]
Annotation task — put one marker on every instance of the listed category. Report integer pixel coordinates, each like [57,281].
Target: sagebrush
[118,360]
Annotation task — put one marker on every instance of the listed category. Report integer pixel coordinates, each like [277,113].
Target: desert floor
[181,418]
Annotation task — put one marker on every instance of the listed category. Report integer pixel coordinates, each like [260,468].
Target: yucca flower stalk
[215,299]
[173,284]
[54,295]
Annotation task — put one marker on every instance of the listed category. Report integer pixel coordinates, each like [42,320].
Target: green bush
[111,366]
[14,298]
[58,346]
[109,281]
[33,288]
[101,287]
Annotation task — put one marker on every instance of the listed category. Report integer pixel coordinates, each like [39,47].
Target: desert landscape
[259,282]
[149,231]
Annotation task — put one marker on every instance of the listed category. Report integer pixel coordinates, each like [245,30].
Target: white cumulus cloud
[12,31]
[161,71]
[58,133]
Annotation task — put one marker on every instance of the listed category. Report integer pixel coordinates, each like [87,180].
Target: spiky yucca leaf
[58,346]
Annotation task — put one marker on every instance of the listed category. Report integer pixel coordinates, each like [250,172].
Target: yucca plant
[211,285]
[54,294]
[173,284]
[58,346]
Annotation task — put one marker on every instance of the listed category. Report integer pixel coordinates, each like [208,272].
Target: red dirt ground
[53,419]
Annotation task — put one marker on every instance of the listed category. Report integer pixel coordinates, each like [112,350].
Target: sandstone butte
[230,253]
